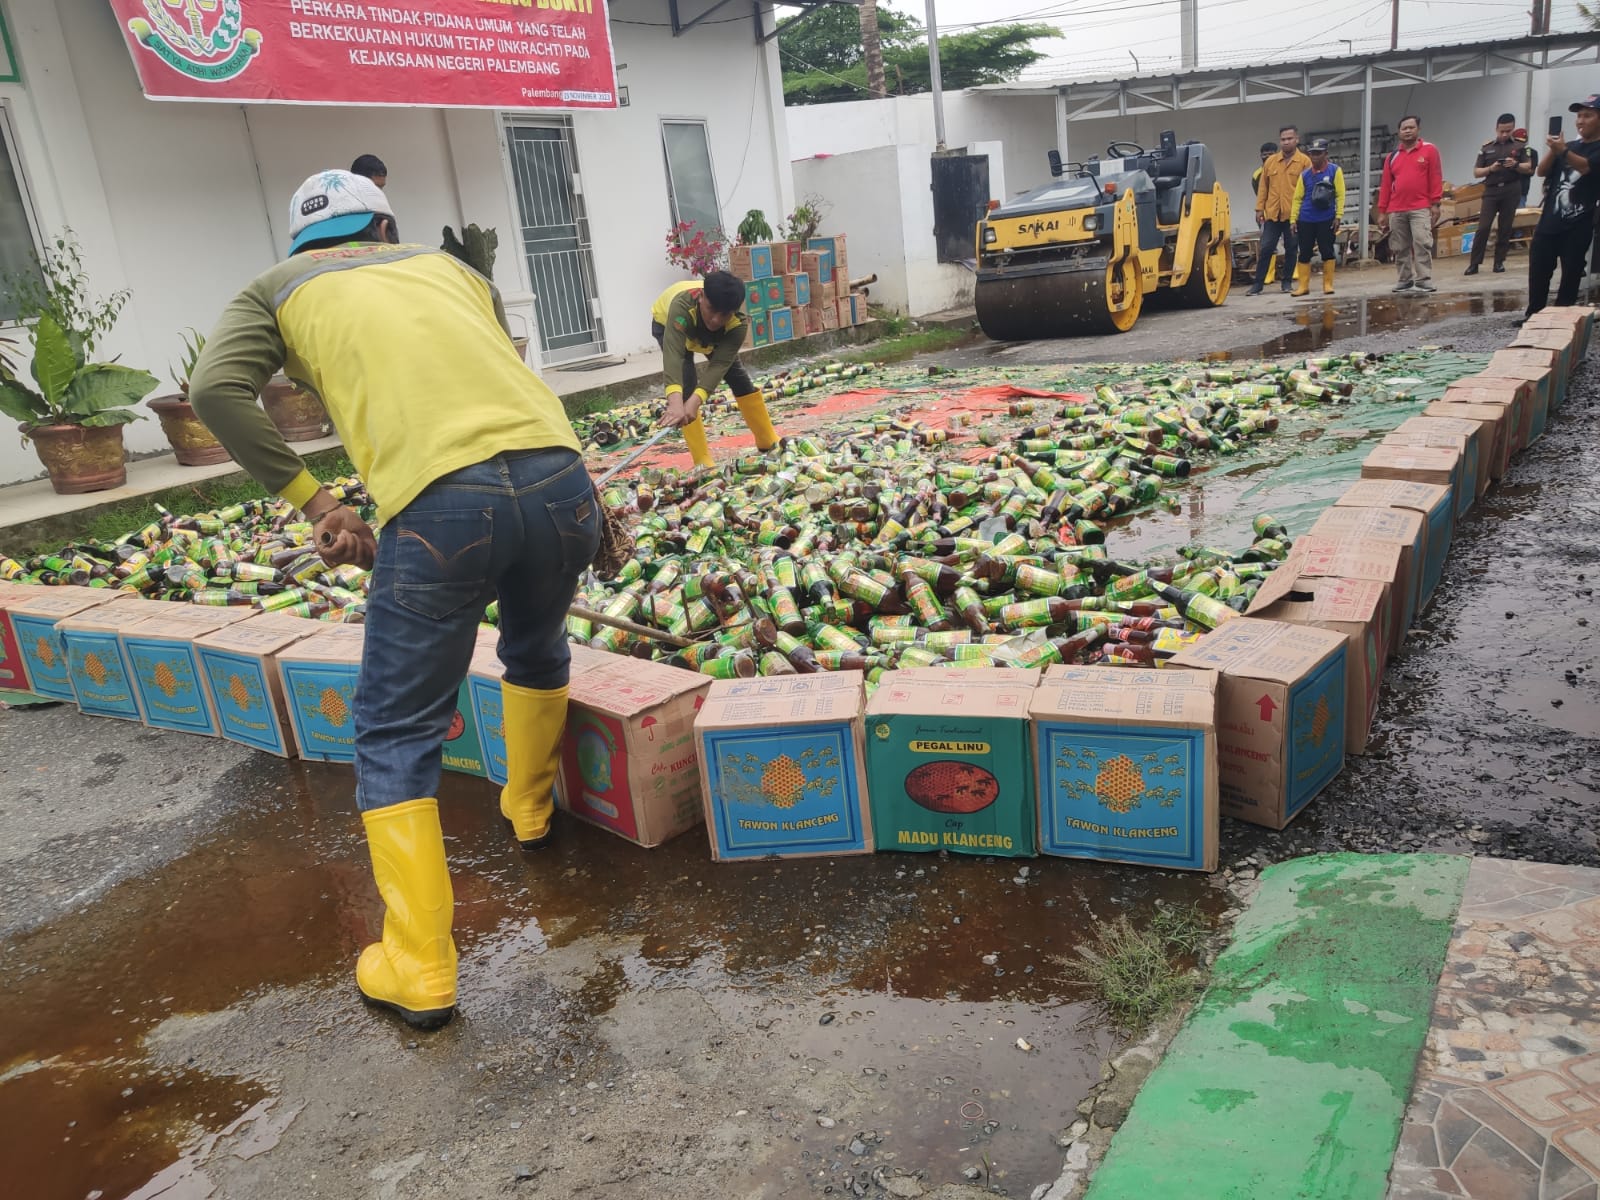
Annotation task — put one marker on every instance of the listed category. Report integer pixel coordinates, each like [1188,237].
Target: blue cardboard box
[97,664]
[1127,765]
[750,262]
[1280,714]
[238,665]
[781,767]
[319,686]
[165,666]
[1472,437]
[782,322]
[39,645]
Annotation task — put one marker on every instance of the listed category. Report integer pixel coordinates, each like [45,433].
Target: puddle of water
[283,897]
[1323,322]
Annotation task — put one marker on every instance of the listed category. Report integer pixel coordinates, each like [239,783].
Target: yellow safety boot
[694,436]
[1327,278]
[413,969]
[534,723]
[753,408]
[1302,279]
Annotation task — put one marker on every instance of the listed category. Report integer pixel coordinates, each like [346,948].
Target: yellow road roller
[1086,251]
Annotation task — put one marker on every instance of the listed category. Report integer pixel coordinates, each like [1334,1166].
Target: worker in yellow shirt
[481,495]
[703,317]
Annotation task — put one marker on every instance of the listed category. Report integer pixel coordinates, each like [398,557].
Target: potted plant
[299,415]
[75,416]
[476,247]
[692,249]
[192,443]
[754,228]
[804,221]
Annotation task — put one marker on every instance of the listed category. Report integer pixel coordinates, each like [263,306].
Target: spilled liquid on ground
[283,898]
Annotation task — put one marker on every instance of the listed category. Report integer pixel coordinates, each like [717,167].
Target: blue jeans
[521,526]
[1271,233]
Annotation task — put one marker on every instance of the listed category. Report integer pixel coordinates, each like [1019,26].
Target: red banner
[443,53]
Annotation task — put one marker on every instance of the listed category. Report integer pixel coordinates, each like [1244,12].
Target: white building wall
[184,203]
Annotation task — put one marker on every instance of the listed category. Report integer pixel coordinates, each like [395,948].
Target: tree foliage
[823,60]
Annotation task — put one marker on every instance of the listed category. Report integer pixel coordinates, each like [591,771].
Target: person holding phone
[1503,163]
[1571,174]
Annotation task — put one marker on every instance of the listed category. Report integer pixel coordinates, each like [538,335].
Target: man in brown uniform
[1275,205]
[1502,164]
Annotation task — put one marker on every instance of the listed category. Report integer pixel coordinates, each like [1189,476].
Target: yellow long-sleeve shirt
[1275,193]
[407,348]
[1338,194]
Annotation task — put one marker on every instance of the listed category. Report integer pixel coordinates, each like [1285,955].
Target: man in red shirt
[1408,206]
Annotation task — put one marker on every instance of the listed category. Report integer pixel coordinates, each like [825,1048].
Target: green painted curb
[1292,1075]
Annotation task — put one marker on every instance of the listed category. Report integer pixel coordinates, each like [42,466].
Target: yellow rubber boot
[753,408]
[1302,279]
[534,723]
[413,969]
[694,436]
[1327,278]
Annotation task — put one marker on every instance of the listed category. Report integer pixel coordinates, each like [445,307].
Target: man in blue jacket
[1318,208]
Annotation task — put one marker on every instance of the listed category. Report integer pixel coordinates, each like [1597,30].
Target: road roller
[1087,251]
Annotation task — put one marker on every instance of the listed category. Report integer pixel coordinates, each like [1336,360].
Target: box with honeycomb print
[97,667]
[238,665]
[947,762]
[782,769]
[165,667]
[13,671]
[1280,714]
[319,685]
[1127,765]
[465,750]
[33,622]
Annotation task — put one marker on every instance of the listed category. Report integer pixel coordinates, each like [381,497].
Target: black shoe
[1404,287]
[1499,268]
[1255,290]
[1423,287]
[1472,270]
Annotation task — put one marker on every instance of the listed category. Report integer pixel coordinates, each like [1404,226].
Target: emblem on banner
[203,39]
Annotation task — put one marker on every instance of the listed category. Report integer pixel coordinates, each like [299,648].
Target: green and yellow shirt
[677,311]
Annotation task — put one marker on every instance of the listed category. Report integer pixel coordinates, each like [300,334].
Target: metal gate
[555,239]
[960,198]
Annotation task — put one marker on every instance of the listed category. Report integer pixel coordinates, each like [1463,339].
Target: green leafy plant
[71,390]
[475,247]
[805,220]
[193,342]
[754,228]
[1139,975]
[58,288]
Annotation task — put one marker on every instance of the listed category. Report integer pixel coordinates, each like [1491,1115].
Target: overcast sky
[1098,35]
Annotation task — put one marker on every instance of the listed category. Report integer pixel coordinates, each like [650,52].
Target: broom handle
[644,631]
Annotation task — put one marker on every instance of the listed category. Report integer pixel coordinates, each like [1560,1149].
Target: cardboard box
[1578,318]
[797,290]
[33,621]
[1431,501]
[772,293]
[97,663]
[841,290]
[319,685]
[750,262]
[1358,609]
[1562,343]
[1280,714]
[1468,193]
[947,762]
[1407,460]
[783,769]
[811,264]
[782,322]
[464,750]
[1515,394]
[1408,530]
[834,250]
[813,319]
[1526,218]
[1464,482]
[1545,367]
[165,666]
[13,670]
[238,664]
[858,309]
[830,315]
[755,298]
[1473,438]
[760,331]
[1495,421]
[1127,763]
[823,249]
[785,257]
[629,761]
[1378,562]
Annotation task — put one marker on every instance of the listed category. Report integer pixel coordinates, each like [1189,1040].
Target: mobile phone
[1555,126]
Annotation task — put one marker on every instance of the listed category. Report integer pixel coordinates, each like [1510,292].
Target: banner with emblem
[508,54]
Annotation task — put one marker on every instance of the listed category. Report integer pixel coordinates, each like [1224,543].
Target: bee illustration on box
[333,703]
[245,694]
[164,679]
[781,783]
[1310,729]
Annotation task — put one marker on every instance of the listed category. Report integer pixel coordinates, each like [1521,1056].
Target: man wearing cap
[1319,207]
[1503,164]
[1571,174]
[1275,205]
[1408,206]
[481,494]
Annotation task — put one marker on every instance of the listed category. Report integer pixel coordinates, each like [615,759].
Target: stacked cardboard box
[793,291]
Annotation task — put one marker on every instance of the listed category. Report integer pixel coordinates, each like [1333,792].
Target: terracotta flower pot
[191,441]
[79,459]
[299,416]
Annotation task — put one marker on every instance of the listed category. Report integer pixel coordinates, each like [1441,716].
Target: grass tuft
[1140,975]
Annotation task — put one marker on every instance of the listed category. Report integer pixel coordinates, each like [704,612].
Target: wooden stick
[644,631]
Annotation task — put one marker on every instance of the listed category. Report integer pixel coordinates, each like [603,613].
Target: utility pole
[872,49]
[1394,24]
[1189,32]
[934,77]
[1537,14]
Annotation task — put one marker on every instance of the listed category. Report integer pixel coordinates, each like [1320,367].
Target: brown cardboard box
[1425,435]
[1516,394]
[97,664]
[33,621]
[1469,195]
[785,257]
[319,686]
[13,671]
[1562,338]
[813,318]
[1526,218]
[1579,319]
[1414,463]
[783,767]
[811,264]
[239,667]
[792,289]
[1357,608]
[1127,764]
[1280,714]
[1494,419]
[841,290]
[1474,438]
[629,763]
[165,666]
[1545,365]
[1408,530]
[830,315]
[1341,558]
